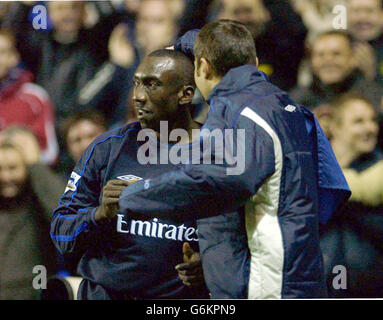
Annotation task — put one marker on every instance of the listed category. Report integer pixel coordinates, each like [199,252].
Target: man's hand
[121,51]
[110,195]
[190,272]
[366,59]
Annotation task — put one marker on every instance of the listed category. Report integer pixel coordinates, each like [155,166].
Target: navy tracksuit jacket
[267,244]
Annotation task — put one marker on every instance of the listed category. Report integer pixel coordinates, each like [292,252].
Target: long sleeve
[186,43]
[203,190]
[73,220]
[333,189]
[42,122]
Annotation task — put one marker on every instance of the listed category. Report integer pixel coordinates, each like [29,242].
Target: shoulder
[100,150]
[118,134]
[33,90]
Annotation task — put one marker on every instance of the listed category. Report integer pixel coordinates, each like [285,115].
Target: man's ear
[185,95]
[206,68]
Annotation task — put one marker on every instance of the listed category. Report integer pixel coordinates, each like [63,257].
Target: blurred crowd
[64,84]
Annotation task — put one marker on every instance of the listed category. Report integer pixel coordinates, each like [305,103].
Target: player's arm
[186,42]
[43,123]
[73,221]
[203,190]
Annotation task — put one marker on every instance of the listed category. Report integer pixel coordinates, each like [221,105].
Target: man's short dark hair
[82,115]
[185,67]
[226,44]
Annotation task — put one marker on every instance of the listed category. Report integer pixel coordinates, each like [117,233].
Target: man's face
[357,128]
[155,25]
[365,19]
[80,135]
[8,56]
[155,93]
[13,173]
[67,16]
[252,13]
[332,59]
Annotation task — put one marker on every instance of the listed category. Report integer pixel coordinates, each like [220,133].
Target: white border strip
[263,229]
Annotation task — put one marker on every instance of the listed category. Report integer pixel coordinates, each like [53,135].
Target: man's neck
[211,84]
[182,121]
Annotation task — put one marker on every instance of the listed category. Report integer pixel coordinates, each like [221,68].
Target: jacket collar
[236,79]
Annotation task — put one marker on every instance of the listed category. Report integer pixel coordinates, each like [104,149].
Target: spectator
[79,131]
[278,31]
[155,28]
[335,72]
[65,58]
[195,15]
[317,15]
[24,103]
[29,192]
[353,236]
[365,23]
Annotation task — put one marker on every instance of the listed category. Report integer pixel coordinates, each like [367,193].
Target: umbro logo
[290,108]
[129,177]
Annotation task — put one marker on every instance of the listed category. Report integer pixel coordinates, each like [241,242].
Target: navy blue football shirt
[136,256]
